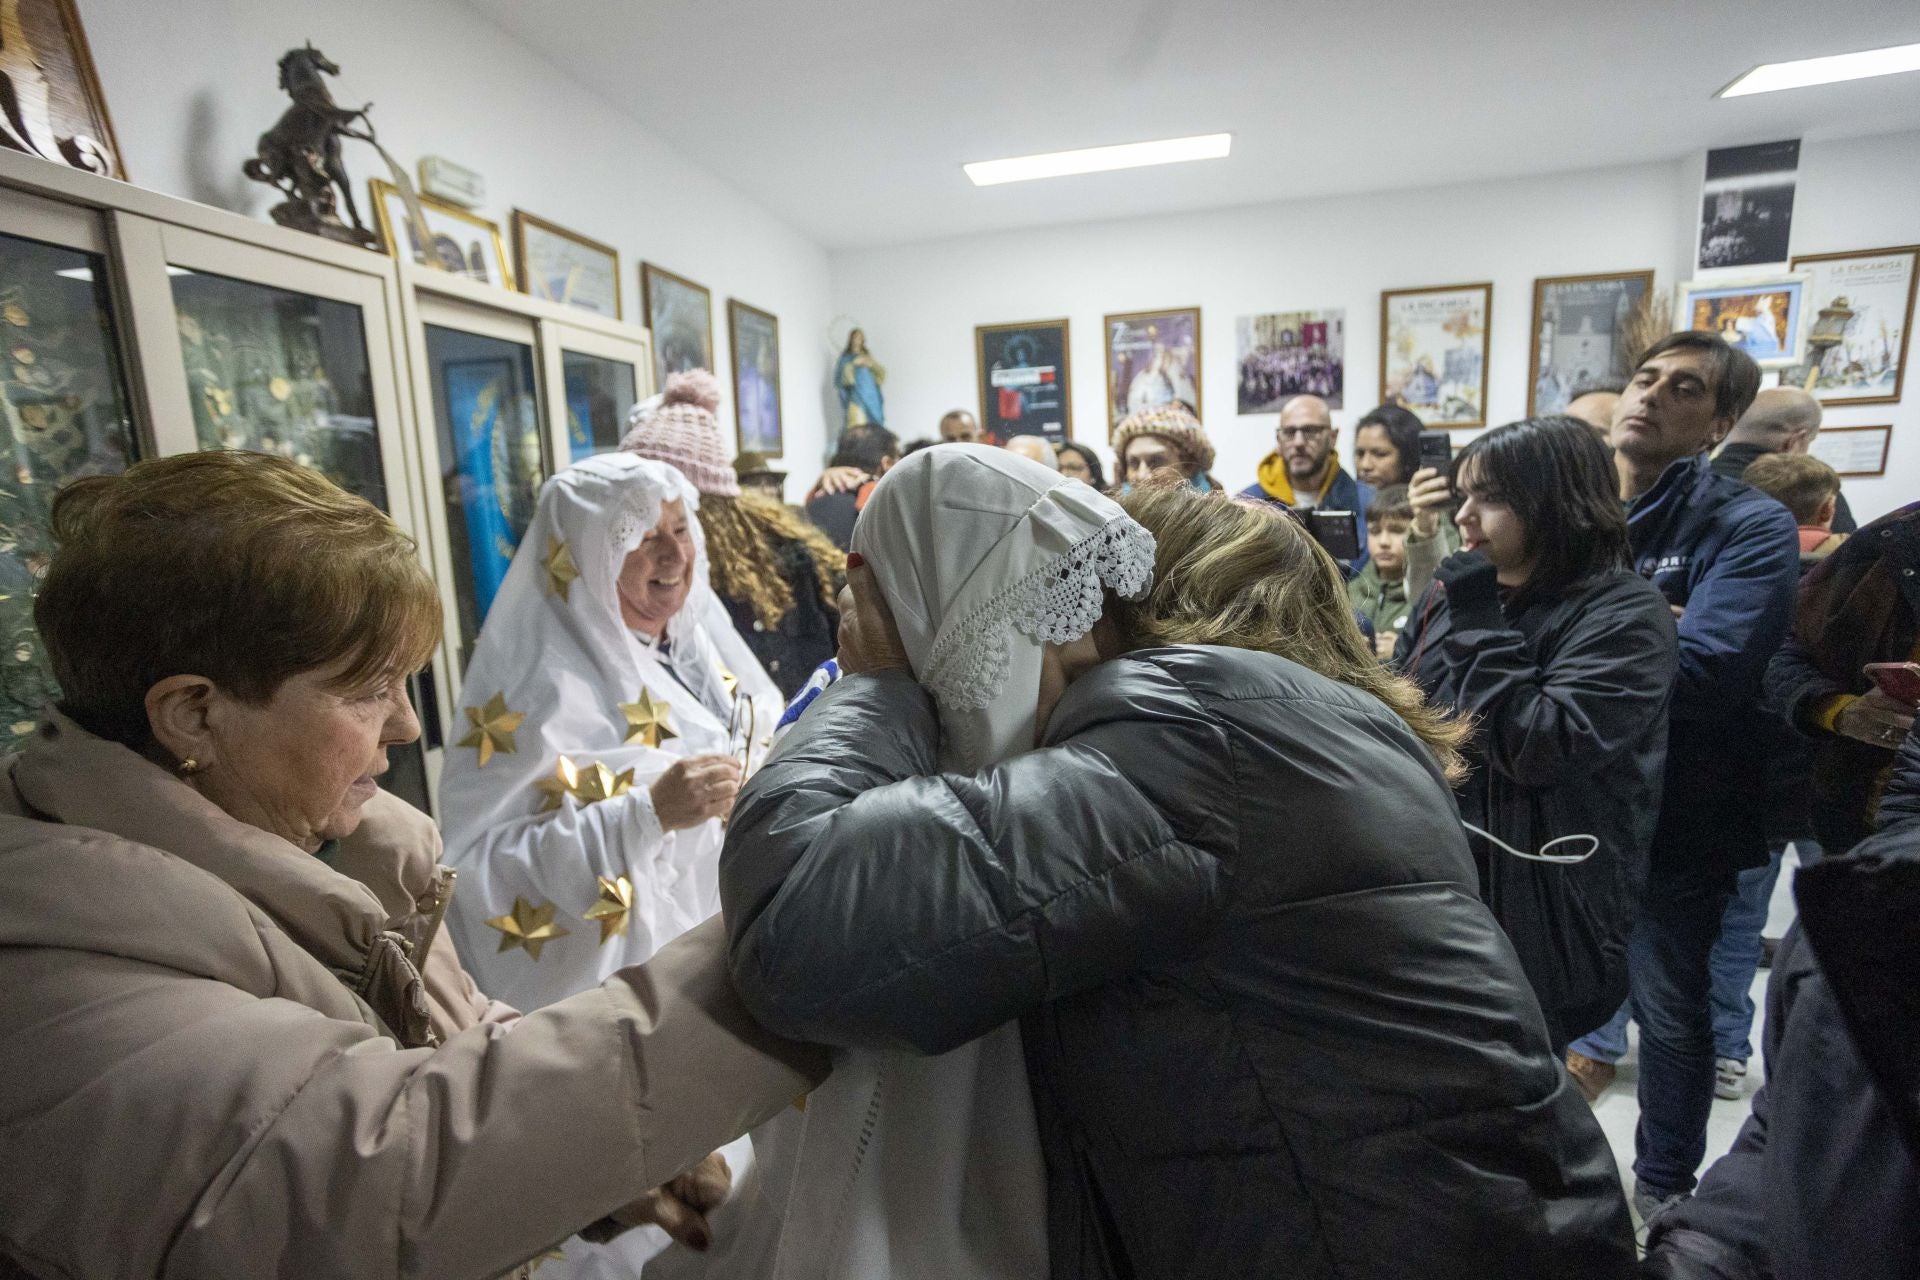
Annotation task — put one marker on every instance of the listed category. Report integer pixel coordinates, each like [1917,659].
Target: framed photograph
[1854,451]
[1153,357]
[1746,207]
[1860,309]
[680,315]
[461,243]
[754,336]
[566,267]
[1025,387]
[1288,354]
[1577,323]
[1433,352]
[53,105]
[1766,318]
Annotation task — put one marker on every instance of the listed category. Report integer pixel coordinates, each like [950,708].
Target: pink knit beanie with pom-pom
[678,427]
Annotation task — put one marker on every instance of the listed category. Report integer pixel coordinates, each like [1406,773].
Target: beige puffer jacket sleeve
[169,1116]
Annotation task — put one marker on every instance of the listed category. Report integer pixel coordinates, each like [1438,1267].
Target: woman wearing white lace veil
[902,1165]
[582,807]
[1269,1026]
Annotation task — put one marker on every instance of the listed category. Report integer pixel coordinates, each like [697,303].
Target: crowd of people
[981,870]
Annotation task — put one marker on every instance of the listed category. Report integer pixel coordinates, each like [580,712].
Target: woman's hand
[869,640]
[1875,718]
[1430,493]
[694,790]
[680,1207]
[840,480]
[1383,642]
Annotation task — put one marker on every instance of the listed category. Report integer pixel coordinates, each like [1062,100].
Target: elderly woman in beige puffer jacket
[233,1040]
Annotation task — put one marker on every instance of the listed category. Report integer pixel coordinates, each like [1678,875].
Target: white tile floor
[1619,1111]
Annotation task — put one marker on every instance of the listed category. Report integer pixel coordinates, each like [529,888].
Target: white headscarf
[902,1165]
[557,654]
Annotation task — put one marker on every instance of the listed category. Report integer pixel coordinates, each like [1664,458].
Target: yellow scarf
[1279,485]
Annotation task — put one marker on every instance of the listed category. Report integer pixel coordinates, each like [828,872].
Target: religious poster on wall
[1577,326]
[1746,208]
[1860,309]
[1023,378]
[1766,318]
[680,315]
[1433,352]
[1288,354]
[1153,358]
[754,336]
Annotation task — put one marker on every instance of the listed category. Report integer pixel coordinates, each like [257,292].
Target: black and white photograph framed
[1746,208]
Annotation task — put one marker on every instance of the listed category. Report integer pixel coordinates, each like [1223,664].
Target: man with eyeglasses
[1303,472]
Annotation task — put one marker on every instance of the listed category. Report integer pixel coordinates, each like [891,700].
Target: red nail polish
[855,560]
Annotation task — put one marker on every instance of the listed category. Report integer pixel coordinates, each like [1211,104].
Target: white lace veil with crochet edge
[984,557]
[905,1167]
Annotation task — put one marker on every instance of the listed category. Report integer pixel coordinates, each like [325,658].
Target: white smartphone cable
[1557,859]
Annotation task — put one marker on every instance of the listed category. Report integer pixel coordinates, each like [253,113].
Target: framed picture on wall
[1854,451]
[1577,326]
[564,266]
[680,315]
[1860,309]
[53,105]
[458,242]
[1764,317]
[1024,380]
[754,336]
[1288,354]
[1433,352]
[1153,357]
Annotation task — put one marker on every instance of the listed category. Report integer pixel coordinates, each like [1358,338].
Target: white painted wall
[919,303]
[191,85]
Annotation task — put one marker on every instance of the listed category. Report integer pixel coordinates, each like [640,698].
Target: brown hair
[240,567]
[1798,482]
[1736,378]
[1247,576]
[741,559]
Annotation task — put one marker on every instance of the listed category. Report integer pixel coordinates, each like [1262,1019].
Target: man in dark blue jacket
[1727,559]
[1821,1183]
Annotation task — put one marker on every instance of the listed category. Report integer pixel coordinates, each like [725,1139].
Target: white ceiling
[851,121]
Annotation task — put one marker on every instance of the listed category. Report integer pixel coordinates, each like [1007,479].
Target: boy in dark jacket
[1725,557]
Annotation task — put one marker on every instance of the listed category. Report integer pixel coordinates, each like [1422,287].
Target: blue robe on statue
[859,389]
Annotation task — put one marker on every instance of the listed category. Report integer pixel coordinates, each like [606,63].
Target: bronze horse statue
[300,155]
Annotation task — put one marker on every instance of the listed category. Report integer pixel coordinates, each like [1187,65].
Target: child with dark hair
[1379,591]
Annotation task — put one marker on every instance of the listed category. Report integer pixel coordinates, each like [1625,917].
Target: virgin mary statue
[857,377]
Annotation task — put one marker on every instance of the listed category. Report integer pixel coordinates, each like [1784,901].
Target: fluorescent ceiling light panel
[1130,155]
[1774,76]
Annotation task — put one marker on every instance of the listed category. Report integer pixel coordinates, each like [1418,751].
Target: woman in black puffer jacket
[1270,1028]
[1564,658]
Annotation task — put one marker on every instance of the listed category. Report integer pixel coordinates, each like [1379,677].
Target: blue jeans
[1669,976]
[1736,957]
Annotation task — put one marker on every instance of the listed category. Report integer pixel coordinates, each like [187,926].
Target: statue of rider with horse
[300,155]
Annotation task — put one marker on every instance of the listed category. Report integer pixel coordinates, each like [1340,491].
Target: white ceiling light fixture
[1129,155]
[1800,74]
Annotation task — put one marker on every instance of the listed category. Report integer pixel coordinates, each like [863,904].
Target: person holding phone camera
[1860,605]
[1304,475]
[1541,633]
